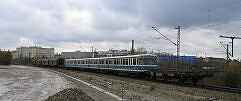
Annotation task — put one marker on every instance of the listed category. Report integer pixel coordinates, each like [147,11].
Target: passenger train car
[144,66]
[58,62]
[136,63]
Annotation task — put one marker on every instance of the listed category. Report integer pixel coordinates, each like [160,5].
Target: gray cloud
[104,22]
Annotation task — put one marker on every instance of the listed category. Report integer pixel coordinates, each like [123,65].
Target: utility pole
[227,62]
[232,38]
[178,40]
[176,44]
[92,50]
[227,53]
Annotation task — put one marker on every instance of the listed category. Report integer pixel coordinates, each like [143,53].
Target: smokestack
[132,47]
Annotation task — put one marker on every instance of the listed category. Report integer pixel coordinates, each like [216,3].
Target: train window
[126,61]
[149,61]
[141,61]
[134,61]
[120,61]
[115,61]
[130,61]
[100,61]
[110,61]
[81,61]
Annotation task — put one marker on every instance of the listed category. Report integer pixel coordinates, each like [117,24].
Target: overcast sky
[70,25]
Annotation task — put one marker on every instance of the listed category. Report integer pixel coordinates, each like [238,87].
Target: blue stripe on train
[114,67]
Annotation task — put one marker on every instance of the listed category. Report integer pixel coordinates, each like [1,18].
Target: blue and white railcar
[137,63]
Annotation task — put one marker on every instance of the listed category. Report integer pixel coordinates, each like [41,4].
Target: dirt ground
[21,83]
[27,83]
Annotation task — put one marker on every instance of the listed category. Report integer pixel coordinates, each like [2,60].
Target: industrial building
[32,51]
[112,53]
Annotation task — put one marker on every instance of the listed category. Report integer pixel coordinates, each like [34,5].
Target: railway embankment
[140,90]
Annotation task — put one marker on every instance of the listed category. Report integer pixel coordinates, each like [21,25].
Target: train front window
[147,61]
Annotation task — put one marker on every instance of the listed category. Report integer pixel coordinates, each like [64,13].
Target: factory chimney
[132,47]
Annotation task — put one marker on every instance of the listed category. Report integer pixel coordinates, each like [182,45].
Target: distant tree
[5,58]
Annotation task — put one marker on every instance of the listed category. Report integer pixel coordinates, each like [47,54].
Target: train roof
[128,56]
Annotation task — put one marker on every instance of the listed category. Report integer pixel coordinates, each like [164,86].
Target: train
[141,66]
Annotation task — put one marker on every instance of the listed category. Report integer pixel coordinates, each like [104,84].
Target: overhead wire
[201,12]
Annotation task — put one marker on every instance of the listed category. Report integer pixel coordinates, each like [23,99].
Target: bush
[5,58]
[232,79]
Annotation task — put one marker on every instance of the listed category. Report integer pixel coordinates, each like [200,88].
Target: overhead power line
[202,12]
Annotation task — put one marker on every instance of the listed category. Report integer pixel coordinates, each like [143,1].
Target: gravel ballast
[70,94]
[141,90]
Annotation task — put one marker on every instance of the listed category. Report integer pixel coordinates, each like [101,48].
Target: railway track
[220,88]
[209,87]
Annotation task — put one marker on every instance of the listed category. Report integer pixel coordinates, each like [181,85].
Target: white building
[34,51]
